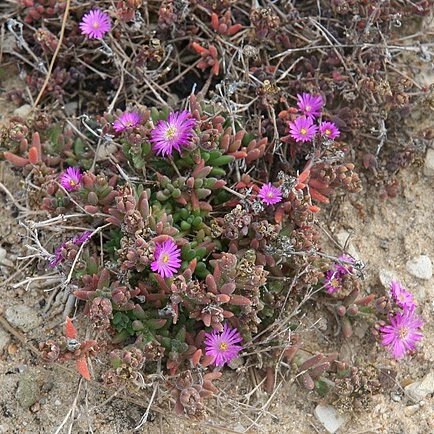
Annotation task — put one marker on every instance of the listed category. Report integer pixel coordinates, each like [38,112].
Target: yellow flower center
[308,108]
[328,132]
[303,131]
[270,194]
[165,258]
[95,24]
[170,133]
[334,283]
[223,346]
[403,332]
[72,183]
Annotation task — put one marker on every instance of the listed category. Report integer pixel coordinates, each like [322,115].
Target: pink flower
[71,179]
[345,267]
[332,281]
[127,120]
[223,345]
[174,133]
[402,297]
[302,129]
[329,129]
[95,24]
[82,238]
[167,260]
[402,334]
[60,254]
[310,105]
[270,194]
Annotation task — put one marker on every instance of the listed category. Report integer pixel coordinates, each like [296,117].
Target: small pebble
[23,317]
[386,276]
[396,396]
[418,390]
[329,417]
[28,392]
[21,368]
[344,239]
[428,170]
[411,409]
[23,111]
[35,407]
[4,259]
[4,340]
[12,349]
[420,267]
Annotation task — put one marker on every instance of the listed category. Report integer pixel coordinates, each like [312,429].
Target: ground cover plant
[179,155]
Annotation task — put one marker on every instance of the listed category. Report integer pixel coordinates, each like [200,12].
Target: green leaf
[223,160]
[218,171]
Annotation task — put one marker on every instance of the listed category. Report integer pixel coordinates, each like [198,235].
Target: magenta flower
[402,297]
[95,24]
[270,194]
[344,268]
[310,105]
[302,129]
[402,334]
[329,129]
[177,131]
[223,345]
[82,238]
[60,254]
[71,179]
[166,259]
[127,120]
[332,281]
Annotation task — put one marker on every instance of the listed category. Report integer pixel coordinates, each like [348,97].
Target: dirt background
[39,398]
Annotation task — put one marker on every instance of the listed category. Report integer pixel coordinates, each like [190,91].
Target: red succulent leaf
[82,368]
[240,300]
[33,155]
[15,159]
[70,330]
[196,357]
[198,48]
[318,196]
[215,21]
[234,29]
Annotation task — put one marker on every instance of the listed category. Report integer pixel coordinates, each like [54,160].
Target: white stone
[420,267]
[105,150]
[428,169]
[23,111]
[344,240]
[71,108]
[386,277]
[418,390]
[23,317]
[329,417]
[3,258]
[4,339]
